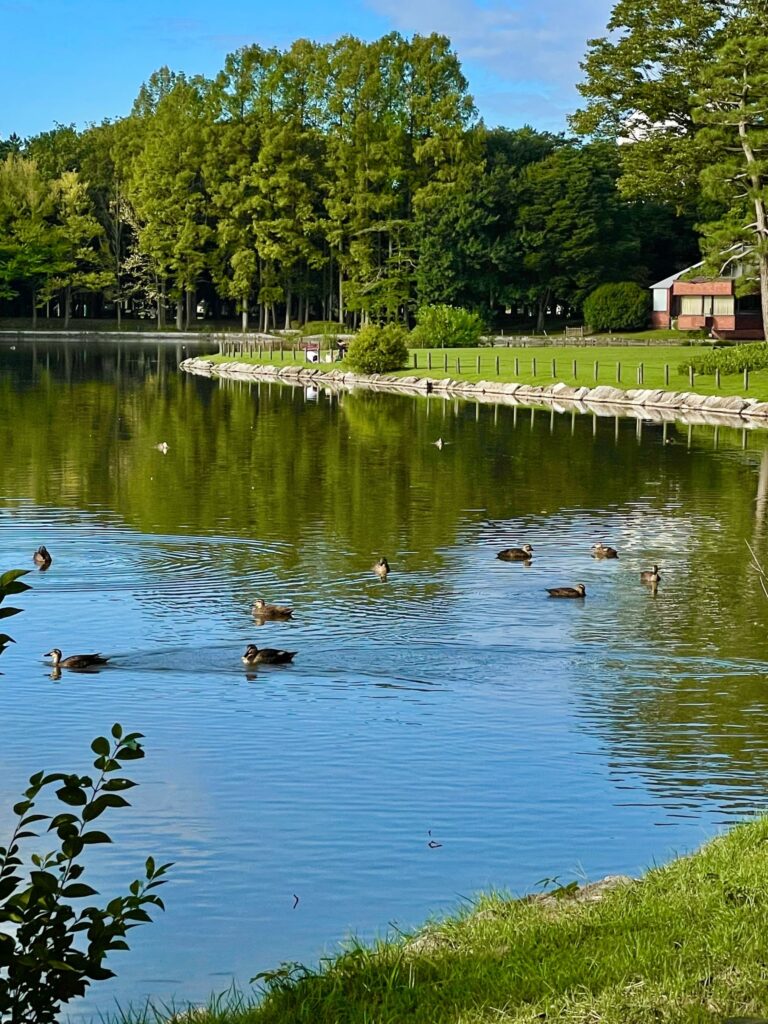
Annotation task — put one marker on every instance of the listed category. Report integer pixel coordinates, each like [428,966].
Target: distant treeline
[351,181]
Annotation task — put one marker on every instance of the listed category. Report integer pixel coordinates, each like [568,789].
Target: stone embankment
[603,400]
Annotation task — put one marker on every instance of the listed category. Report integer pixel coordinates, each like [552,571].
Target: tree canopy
[348,181]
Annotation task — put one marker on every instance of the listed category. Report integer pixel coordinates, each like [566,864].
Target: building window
[690,305]
[659,300]
[723,305]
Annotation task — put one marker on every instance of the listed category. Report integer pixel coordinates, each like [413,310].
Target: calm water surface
[532,738]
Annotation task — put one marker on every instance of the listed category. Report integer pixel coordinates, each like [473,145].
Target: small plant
[322,327]
[377,349]
[9,584]
[734,359]
[617,307]
[446,327]
[41,963]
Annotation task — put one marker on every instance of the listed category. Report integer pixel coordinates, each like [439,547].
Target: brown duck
[266,656]
[651,575]
[578,591]
[523,554]
[604,551]
[262,610]
[42,557]
[75,660]
[381,568]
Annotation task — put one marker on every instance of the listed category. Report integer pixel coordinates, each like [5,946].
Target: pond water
[454,703]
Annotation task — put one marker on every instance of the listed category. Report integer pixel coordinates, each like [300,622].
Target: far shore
[656,405]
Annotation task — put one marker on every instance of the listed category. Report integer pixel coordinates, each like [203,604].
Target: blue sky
[81,61]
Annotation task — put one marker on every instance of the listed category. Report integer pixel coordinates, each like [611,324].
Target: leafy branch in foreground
[9,584]
[41,963]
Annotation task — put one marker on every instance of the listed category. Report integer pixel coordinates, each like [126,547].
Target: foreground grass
[688,943]
[577,366]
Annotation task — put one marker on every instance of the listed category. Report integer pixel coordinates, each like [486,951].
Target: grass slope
[535,366]
[688,943]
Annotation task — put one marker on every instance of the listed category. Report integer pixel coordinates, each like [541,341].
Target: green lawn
[576,365]
[687,944]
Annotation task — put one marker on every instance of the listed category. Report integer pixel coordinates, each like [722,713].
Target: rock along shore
[603,400]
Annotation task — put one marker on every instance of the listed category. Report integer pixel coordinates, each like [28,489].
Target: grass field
[575,365]
[687,944]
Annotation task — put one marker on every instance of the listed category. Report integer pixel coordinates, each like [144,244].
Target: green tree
[685,86]
[80,242]
[166,187]
[30,252]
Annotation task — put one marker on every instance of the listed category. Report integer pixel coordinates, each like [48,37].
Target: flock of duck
[525,554]
[263,612]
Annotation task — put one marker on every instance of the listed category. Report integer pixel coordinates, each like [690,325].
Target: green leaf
[6,613]
[78,890]
[117,730]
[112,785]
[11,575]
[101,746]
[44,880]
[101,803]
[72,795]
[91,838]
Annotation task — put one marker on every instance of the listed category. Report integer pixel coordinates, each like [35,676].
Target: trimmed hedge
[446,327]
[735,359]
[377,349]
[624,306]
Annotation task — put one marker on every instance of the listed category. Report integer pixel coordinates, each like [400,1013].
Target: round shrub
[446,327]
[377,349]
[617,307]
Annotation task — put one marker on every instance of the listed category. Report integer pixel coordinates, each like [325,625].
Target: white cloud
[528,51]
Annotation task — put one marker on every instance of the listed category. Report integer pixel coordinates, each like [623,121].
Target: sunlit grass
[688,943]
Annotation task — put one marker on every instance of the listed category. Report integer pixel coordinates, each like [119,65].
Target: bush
[734,359]
[446,327]
[617,307]
[323,327]
[378,349]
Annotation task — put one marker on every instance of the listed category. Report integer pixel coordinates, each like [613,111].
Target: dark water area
[531,738]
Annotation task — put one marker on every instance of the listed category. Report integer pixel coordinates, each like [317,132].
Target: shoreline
[602,400]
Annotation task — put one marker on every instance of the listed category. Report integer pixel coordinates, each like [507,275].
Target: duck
[578,591]
[262,610]
[604,551]
[42,557]
[266,656]
[523,554]
[651,575]
[381,568]
[75,660]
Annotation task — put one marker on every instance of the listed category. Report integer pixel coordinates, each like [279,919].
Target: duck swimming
[651,575]
[75,660]
[578,591]
[381,568]
[42,557]
[604,551]
[262,610]
[523,554]
[266,656]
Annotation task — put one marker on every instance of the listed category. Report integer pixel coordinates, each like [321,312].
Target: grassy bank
[577,366]
[687,943]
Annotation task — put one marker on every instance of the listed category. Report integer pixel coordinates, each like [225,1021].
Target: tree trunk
[288,309]
[190,297]
[761,215]
[179,313]
[245,312]
[341,296]
[34,308]
[67,306]
[542,309]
